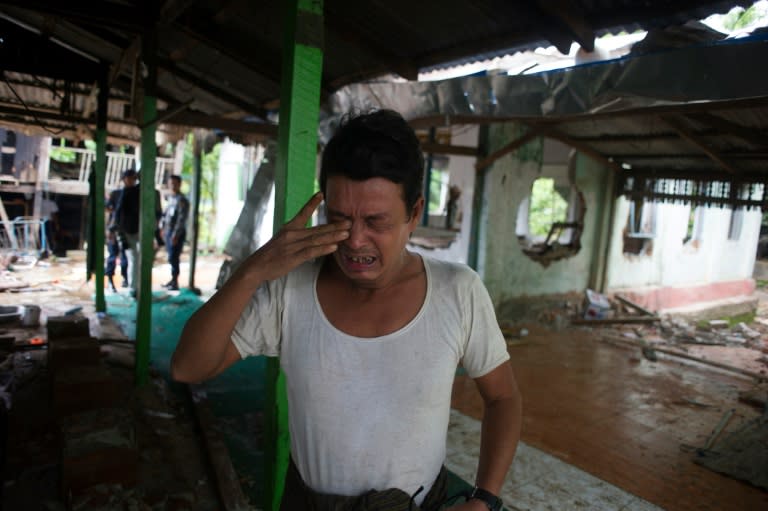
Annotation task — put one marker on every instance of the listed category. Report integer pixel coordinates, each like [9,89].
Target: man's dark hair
[175,177]
[376,144]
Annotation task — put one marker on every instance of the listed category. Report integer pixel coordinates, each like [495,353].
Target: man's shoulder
[449,270]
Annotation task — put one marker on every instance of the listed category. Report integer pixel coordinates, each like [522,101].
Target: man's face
[174,185]
[129,181]
[374,253]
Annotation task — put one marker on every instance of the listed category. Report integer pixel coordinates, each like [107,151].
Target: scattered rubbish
[718,323]
[159,414]
[742,455]
[635,306]
[650,354]
[599,310]
[31,316]
[756,396]
[693,402]
[597,305]
[726,418]
[9,313]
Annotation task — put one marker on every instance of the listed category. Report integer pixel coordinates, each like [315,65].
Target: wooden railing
[116,164]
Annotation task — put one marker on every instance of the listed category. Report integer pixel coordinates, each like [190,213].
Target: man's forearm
[501,426]
[204,342]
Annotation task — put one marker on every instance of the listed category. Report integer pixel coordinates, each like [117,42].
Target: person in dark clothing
[127,219]
[114,248]
[175,228]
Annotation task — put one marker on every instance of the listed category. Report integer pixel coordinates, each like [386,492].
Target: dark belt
[299,497]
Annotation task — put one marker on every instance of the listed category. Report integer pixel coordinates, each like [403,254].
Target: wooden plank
[227,481]
[8,226]
[632,304]
[687,134]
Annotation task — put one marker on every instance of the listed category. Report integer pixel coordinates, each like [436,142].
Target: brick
[98,447]
[73,352]
[77,389]
[62,327]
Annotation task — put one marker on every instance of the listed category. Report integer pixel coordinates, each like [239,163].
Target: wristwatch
[489,499]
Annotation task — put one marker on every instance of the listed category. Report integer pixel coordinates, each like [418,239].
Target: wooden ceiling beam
[201,83]
[173,9]
[726,127]
[261,60]
[105,14]
[457,150]
[572,19]
[687,134]
[549,132]
[507,149]
[399,65]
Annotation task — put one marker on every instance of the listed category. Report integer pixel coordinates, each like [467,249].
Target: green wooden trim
[294,184]
[100,171]
[477,200]
[148,220]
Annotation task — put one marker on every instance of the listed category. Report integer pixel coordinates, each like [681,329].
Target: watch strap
[493,502]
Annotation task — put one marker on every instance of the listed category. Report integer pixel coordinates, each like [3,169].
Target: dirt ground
[173,470]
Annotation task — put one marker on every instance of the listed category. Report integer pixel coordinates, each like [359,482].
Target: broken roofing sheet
[699,73]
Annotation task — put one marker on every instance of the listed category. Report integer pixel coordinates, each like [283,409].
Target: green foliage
[63,154]
[547,207]
[738,17]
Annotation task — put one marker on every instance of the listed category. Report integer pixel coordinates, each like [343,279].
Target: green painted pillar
[148,220]
[483,143]
[197,178]
[294,184]
[100,172]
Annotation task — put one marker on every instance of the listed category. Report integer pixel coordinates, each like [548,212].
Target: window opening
[734,225]
[641,227]
[550,221]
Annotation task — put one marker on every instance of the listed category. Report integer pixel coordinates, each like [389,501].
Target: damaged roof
[220,62]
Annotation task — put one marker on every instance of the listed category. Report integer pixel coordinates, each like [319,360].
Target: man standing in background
[175,228]
[114,248]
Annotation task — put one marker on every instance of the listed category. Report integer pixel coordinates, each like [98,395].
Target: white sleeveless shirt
[372,413]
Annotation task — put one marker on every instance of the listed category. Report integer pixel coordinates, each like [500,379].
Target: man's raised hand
[296,243]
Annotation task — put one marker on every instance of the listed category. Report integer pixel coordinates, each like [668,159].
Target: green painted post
[148,221]
[477,200]
[294,184]
[100,172]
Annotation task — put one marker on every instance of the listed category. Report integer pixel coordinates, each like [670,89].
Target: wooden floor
[609,411]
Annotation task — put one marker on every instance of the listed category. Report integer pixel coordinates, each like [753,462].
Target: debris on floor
[743,454]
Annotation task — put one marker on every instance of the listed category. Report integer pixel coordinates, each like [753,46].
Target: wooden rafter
[686,133]
[457,150]
[549,132]
[507,149]
[754,137]
[201,83]
[572,18]
[403,67]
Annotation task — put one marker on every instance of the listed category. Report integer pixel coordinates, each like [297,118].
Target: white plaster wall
[229,202]
[508,272]
[462,174]
[672,263]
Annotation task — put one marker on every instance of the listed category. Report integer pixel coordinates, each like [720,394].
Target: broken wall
[513,279]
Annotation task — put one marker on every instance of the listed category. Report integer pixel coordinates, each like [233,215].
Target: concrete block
[98,447]
[62,327]
[73,352]
[76,389]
